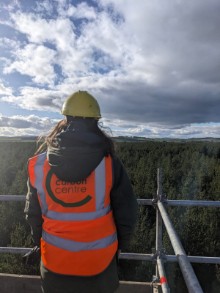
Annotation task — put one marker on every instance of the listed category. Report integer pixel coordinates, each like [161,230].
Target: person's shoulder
[116,160]
[37,158]
[117,166]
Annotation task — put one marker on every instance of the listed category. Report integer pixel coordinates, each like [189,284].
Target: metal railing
[162,218]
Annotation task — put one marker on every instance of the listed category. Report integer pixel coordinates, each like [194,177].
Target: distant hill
[166,139]
[18,138]
[121,139]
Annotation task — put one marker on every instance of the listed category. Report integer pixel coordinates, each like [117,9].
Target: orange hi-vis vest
[79,235]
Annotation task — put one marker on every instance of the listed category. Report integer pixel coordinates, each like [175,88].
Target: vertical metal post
[159,223]
[185,266]
[163,279]
[159,234]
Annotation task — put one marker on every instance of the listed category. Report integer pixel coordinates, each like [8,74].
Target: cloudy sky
[154,66]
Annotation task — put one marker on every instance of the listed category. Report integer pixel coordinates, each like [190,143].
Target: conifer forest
[191,170]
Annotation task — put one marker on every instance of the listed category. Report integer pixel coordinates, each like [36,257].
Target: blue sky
[154,66]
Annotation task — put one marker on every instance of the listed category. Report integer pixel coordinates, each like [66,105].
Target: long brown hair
[110,145]
[50,141]
[45,142]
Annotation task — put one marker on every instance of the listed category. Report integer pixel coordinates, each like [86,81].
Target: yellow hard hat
[81,104]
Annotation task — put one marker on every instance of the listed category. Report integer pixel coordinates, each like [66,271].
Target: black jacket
[78,151]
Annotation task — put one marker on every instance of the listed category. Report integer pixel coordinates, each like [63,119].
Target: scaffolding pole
[141,201]
[15,250]
[194,203]
[137,256]
[159,222]
[195,259]
[160,271]
[169,258]
[185,266]
[12,197]
[131,256]
[163,279]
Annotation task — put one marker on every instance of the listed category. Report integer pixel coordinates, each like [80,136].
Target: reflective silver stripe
[39,174]
[75,246]
[77,216]
[100,189]
[100,184]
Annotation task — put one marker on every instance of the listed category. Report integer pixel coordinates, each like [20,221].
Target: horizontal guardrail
[159,258]
[131,256]
[169,258]
[141,201]
[12,197]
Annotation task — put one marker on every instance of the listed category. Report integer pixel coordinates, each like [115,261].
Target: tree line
[191,170]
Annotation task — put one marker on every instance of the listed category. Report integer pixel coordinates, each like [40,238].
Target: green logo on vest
[66,188]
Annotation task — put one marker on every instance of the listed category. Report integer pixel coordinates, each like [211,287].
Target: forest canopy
[191,170]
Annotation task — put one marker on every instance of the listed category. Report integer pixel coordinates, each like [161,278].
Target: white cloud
[10,5]
[35,61]
[9,44]
[25,125]
[99,41]
[35,125]
[37,99]
[82,10]
[128,128]
[5,91]
[71,56]
[44,7]
[148,62]
[58,31]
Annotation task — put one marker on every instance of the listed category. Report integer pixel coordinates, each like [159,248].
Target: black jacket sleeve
[123,203]
[33,214]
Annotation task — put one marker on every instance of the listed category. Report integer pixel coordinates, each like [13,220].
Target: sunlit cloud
[37,66]
[27,125]
[156,66]
[5,91]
